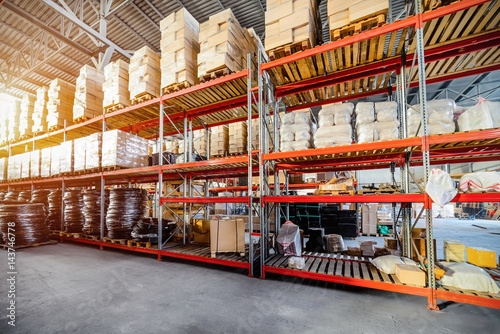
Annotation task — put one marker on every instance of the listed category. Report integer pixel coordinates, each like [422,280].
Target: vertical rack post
[184,183]
[250,169]
[263,175]
[425,153]
[160,182]
[103,183]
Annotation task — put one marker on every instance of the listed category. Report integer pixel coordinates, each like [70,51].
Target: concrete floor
[74,288]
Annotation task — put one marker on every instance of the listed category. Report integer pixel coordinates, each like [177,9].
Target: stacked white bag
[484,115]
[297,130]
[376,121]
[334,125]
[440,118]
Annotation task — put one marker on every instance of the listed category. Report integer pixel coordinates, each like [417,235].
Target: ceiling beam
[145,15]
[155,9]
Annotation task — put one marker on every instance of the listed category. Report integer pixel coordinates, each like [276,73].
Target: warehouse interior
[249,166]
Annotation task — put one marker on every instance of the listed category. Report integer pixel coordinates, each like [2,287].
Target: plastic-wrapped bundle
[79,154]
[365,113]
[45,163]
[328,136]
[54,211]
[484,115]
[66,157]
[55,160]
[24,196]
[386,111]
[387,130]
[93,151]
[335,114]
[334,243]
[73,211]
[36,158]
[126,207]
[92,210]
[29,219]
[41,196]
[194,157]
[440,118]
[11,196]
[146,230]
[296,131]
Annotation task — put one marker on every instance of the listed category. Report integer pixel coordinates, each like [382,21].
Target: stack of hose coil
[29,227]
[24,196]
[126,207]
[41,196]
[73,211]
[11,196]
[92,210]
[2,196]
[146,230]
[54,211]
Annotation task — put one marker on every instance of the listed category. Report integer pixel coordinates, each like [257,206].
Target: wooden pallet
[204,251]
[377,192]
[116,241]
[50,242]
[38,133]
[111,168]
[287,50]
[55,128]
[377,235]
[113,107]
[334,192]
[219,73]
[175,87]
[357,27]
[141,244]
[142,97]
[93,170]
[81,119]
[24,137]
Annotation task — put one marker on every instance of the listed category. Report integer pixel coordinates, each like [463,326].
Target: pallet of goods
[123,150]
[219,141]
[4,131]
[179,51]
[14,168]
[238,138]
[3,169]
[291,26]
[55,160]
[40,111]
[376,121]
[344,183]
[200,142]
[115,86]
[144,75]
[45,164]
[79,155]
[13,122]
[25,165]
[60,104]
[36,160]
[89,95]
[26,116]
[224,46]
[349,18]
[66,157]
[297,130]
[93,152]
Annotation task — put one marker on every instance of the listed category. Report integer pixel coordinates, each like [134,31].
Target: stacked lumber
[144,73]
[238,138]
[36,160]
[291,22]
[342,13]
[179,50]
[124,150]
[89,95]
[219,141]
[224,45]
[13,122]
[40,111]
[3,169]
[115,86]
[26,116]
[60,104]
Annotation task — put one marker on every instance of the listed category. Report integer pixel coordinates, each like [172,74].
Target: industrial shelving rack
[457,40]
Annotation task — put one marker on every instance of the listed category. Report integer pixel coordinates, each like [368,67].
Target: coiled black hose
[29,223]
[126,207]
[73,214]
[24,196]
[54,211]
[146,230]
[2,196]
[41,196]
[11,196]
[92,210]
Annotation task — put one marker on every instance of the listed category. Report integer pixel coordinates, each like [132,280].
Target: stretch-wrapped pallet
[439,117]
[4,129]
[3,169]
[89,94]
[290,22]
[144,73]
[79,153]
[66,157]
[115,86]
[334,125]
[224,44]
[26,116]
[179,49]
[55,161]
[40,111]
[45,165]
[36,160]
[376,121]
[60,105]
[93,151]
[14,168]
[25,164]
[219,141]
[484,115]
[13,122]
[200,142]
[238,138]
[297,130]
[121,149]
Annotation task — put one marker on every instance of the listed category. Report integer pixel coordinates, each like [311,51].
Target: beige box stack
[115,86]
[219,141]
[200,142]
[45,164]
[342,13]
[66,157]
[144,73]
[4,162]
[13,122]
[89,95]
[290,22]
[369,218]
[179,49]
[224,44]
[238,138]
[255,134]
[40,111]
[60,104]
[93,151]
[36,159]
[26,116]
[121,149]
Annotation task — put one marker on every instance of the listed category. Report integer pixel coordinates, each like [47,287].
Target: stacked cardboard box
[290,22]
[227,235]
[26,116]
[13,122]
[200,142]
[144,73]
[40,111]
[36,159]
[3,169]
[342,13]
[121,149]
[238,138]
[115,86]
[89,95]
[60,104]
[79,154]
[45,163]
[219,141]
[224,44]
[93,151]
[179,49]
[369,218]
[66,157]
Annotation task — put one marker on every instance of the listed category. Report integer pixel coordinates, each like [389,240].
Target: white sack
[465,276]
[440,187]
[480,182]
[387,263]
[484,115]
[386,111]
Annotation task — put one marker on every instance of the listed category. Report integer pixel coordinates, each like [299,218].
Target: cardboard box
[481,257]
[369,218]
[453,251]
[227,235]
[391,243]
[354,251]
[418,233]
[410,275]
[420,243]
[201,230]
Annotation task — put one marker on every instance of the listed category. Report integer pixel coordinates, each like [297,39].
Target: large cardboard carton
[410,275]
[227,235]
[201,230]
[481,257]
[453,251]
